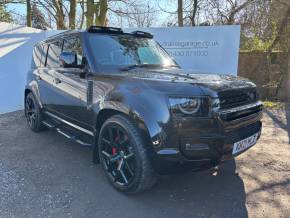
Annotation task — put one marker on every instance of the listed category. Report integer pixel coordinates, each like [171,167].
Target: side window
[73,44]
[43,54]
[54,50]
[36,56]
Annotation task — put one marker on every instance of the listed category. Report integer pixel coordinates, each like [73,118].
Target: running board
[59,119]
[73,135]
[69,132]
[51,123]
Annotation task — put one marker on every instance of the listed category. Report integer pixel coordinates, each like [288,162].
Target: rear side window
[43,55]
[73,44]
[54,50]
[36,56]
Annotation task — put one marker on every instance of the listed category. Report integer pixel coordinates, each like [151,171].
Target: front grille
[232,115]
[238,97]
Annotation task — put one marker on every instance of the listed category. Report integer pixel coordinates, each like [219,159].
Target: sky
[19,11]
[17,8]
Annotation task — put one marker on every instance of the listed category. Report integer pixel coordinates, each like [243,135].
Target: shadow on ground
[281,119]
[47,175]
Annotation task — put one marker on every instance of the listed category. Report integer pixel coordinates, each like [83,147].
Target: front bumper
[203,144]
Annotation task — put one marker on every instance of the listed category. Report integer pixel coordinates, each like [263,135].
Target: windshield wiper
[134,66]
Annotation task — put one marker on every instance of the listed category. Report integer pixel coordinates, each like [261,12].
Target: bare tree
[101,12]
[180,12]
[60,23]
[72,14]
[226,11]
[82,5]
[140,16]
[28,13]
[187,12]
[55,9]
[90,12]
[38,19]
[133,14]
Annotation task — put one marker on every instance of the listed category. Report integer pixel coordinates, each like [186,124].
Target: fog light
[196,147]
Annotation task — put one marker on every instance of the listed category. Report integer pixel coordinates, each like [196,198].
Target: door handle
[57,80]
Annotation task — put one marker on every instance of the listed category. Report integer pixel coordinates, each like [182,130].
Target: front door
[71,88]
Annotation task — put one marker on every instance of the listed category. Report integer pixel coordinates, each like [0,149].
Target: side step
[69,132]
[51,123]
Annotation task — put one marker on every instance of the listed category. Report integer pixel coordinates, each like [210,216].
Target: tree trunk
[90,13]
[83,13]
[180,12]
[288,77]
[28,16]
[101,12]
[235,10]
[59,14]
[194,12]
[288,47]
[72,14]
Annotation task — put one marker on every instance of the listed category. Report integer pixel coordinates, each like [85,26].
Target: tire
[121,148]
[33,113]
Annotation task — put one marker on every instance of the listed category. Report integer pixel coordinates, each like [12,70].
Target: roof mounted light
[142,34]
[103,29]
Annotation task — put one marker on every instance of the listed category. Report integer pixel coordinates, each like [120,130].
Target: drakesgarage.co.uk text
[189,48]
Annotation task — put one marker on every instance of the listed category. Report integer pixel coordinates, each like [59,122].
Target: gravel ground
[47,175]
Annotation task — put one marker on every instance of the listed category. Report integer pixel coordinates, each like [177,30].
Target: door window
[36,58]
[73,44]
[54,51]
[43,55]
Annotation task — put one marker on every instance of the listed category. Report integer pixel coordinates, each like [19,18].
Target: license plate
[245,143]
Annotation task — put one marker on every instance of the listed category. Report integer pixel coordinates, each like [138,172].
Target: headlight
[195,106]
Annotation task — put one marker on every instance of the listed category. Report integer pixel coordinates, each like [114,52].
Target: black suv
[122,94]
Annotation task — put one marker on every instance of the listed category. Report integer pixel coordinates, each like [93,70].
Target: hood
[208,82]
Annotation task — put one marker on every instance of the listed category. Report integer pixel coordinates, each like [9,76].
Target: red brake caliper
[114,151]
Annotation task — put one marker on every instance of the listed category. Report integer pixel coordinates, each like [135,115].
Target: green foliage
[272,105]
[257,43]
[4,15]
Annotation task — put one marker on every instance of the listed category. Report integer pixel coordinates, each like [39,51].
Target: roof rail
[103,29]
[142,34]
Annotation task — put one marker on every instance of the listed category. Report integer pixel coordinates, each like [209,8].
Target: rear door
[45,77]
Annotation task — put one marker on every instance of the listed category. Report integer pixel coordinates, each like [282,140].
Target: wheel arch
[34,90]
[107,112]
[26,92]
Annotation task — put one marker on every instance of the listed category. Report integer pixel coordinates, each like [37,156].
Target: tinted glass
[73,44]
[115,51]
[36,57]
[43,54]
[54,51]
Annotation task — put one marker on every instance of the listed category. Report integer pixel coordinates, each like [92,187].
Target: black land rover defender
[122,94]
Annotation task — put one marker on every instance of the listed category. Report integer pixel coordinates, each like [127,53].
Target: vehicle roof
[98,30]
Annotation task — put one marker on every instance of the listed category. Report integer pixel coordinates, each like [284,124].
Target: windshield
[124,51]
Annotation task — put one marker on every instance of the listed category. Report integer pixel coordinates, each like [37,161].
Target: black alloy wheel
[123,156]
[118,156]
[33,113]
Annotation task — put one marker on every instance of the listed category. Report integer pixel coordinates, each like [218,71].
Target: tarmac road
[46,175]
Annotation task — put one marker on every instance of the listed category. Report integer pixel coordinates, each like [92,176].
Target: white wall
[220,44]
[204,49]
[16,43]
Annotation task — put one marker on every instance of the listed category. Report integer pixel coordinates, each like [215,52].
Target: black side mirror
[68,60]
